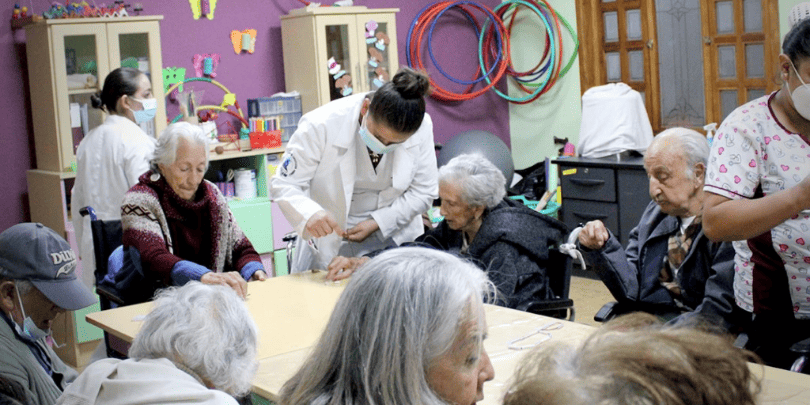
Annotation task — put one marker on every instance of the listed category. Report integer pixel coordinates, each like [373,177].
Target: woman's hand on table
[259,275]
[230,278]
[362,230]
[343,267]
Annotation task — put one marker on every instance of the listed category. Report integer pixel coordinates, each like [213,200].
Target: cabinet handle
[588,182]
[589,217]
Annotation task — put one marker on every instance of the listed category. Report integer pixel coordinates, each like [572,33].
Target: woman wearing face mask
[758,184]
[358,172]
[112,156]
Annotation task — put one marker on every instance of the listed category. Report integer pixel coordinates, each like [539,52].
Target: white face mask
[801,96]
[148,112]
[372,142]
[30,331]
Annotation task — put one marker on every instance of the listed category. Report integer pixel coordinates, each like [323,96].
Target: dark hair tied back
[120,82]
[95,100]
[796,44]
[400,103]
[411,84]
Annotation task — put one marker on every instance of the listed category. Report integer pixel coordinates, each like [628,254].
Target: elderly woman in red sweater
[179,226]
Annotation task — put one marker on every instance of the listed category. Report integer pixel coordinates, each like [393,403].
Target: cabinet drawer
[588,183]
[576,211]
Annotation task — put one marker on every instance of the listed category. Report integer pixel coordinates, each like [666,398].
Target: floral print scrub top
[753,155]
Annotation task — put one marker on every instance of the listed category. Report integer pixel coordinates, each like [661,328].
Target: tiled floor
[589,294]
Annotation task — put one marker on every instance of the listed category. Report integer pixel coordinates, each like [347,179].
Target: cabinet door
[379,61]
[137,45]
[335,35]
[80,66]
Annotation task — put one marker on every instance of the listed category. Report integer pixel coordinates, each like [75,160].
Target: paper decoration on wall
[382,77]
[173,75]
[205,64]
[228,99]
[203,7]
[243,40]
[343,81]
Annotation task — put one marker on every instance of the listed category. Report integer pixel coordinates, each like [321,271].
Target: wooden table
[292,311]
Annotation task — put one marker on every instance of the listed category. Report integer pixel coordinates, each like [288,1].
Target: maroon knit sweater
[167,229]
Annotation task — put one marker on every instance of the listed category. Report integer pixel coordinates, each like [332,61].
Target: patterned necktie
[677,249]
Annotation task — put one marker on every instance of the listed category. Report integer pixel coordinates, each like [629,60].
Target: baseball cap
[34,252]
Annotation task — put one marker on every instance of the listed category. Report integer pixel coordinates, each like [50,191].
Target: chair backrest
[107,235]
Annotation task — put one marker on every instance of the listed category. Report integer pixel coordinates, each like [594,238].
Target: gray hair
[692,145]
[481,183]
[166,149]
[400,312]
[206,328]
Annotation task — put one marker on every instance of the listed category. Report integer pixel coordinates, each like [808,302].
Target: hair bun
[95,101]
[411,84]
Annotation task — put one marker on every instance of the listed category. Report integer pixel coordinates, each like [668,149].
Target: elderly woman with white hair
[178,227]
[401,333]
[198,345]
[509,241]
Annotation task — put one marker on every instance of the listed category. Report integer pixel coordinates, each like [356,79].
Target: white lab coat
[318,172]
[109,161]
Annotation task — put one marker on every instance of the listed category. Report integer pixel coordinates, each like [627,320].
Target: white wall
[556,113]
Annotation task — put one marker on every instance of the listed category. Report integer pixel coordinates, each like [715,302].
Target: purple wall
[248,76]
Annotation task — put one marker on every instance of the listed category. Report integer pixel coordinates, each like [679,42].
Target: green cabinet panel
[255,218]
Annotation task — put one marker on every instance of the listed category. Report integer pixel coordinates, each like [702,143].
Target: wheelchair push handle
[88,210]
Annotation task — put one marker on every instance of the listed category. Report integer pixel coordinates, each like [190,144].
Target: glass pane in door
[633,22]
[728,102]
[754,94]
[340,64]
[636,65]
[614,67]
[754,61]
[81,65]
[680,58]
[727,61]
[611,26]
[725,17]
[752,15]
[378,65]
[134,49]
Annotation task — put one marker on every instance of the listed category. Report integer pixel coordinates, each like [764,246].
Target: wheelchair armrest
[607,312]
[801,348]
[539,306]
[109,295]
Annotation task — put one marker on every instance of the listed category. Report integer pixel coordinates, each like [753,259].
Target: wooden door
[739,57]
[684,45]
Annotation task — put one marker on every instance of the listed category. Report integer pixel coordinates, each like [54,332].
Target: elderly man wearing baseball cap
[37,283]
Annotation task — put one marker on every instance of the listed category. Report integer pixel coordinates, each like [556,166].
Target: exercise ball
[483,143]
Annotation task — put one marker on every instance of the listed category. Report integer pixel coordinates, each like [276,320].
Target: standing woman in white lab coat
[359,172]
[112,156]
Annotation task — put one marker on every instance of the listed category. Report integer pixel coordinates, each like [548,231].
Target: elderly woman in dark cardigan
[179,225]
[504,238]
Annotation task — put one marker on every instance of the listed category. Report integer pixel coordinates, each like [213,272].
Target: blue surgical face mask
[29,331]
[148,112]
[372,142]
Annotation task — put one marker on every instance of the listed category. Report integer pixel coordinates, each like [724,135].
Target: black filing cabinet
[613,190]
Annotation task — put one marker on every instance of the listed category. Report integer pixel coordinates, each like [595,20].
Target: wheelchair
[107,236]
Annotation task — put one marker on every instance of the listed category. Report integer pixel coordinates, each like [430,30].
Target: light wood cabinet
[310,37]
[62,54]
